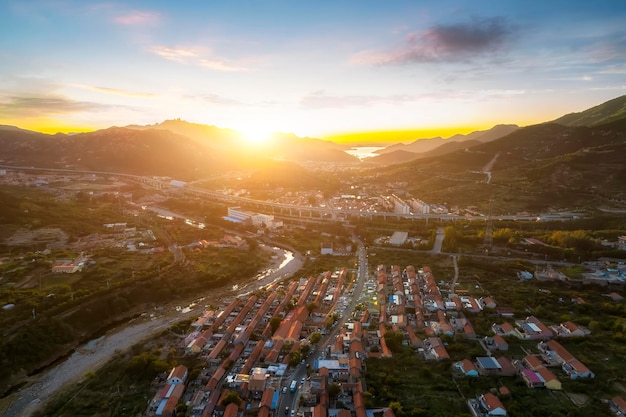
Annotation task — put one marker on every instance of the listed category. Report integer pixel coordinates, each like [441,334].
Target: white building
[398,238]
[237,215]
[419,207]
[399,205]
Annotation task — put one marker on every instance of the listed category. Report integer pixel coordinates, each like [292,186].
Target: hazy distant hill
[212,136]
[439,146]
[536,167]
[148,152]
[294,148]
[15,129]
[279,146]
[606,112]
[395,157]
[162,152]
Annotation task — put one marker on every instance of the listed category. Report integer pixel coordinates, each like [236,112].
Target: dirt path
[487,168]
[96,353]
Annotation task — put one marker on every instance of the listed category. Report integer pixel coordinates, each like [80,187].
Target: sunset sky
[316,69]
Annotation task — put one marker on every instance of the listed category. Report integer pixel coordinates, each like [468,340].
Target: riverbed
[95,353]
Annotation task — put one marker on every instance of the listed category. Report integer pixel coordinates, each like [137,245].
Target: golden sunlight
[405,136]
[48,125]
[256,134]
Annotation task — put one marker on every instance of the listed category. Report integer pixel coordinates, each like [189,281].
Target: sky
[324,69]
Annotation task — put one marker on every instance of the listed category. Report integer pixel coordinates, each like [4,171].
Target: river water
[364,152]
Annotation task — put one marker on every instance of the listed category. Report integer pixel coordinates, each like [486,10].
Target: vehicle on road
[284,390]
[293,385]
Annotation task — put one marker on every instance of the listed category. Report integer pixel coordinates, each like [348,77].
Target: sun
[256,134]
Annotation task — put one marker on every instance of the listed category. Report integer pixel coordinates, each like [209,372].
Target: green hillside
[604,113]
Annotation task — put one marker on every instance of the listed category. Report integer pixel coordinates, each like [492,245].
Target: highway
[321,213]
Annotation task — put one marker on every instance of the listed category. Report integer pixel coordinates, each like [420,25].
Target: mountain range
[423,148]
[550,166]
[566,162]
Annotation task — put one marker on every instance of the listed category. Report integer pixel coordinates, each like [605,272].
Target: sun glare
[256,134]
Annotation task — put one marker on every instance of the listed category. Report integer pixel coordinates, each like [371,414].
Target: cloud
[217,99]
[444,43]
[46,105]
[220,65]
[137,17]
[319,100]
[197,57]
[116,91]
[175,54]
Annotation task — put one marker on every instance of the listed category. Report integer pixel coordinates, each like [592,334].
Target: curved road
[96,353]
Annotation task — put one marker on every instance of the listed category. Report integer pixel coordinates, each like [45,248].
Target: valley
[402,278]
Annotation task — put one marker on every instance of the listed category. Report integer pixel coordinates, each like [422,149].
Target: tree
[451,239]
[295,358]
[396,407]
[315,337]
[231,397]
[275,323]
[334,390]
[305,349]
[394,341]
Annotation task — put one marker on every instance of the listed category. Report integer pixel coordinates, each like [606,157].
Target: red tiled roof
[268,396]
[533,362]
[231,410]
[546,374]
[506,327]
[557,348]
[620,402]
[499,340]
[441,352]
[491,401]
[468,365]
[320,411]
[178,372]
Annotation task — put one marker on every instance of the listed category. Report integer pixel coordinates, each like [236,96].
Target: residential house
[491,405]
[532,329]
[532,379]
[555,353]
[569,329]
[488,302]
[575,369]
[488,365]
[177,375]
[550,380]
[504,329]
[465,368]
[532,362]
[496,342]
[618,406]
